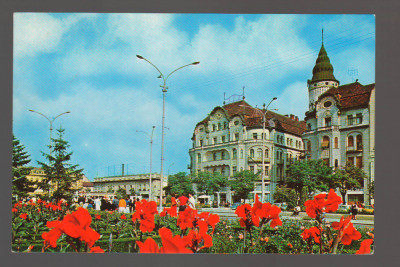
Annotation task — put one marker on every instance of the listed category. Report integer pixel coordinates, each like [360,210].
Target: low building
[37,175]
[137,184]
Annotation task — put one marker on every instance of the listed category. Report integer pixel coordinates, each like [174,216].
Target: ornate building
[231,139]
[340,123]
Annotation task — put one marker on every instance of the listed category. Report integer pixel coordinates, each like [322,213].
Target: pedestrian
[182,202]
[122,205]
[191,202]
[128,202]
[97,203]
[353,211]
[115,203]
[103,205]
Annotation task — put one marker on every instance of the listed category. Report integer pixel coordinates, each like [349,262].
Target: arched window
[219,126]
[336,163]
[309,146]
[266,153]
[234,153]
[259,153]
[359,141]
[325,142]
[252,153]
[336,142]
[350,141]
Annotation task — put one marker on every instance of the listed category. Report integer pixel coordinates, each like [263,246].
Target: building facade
[231,139]
[341,123]
[37,175]
[139,184]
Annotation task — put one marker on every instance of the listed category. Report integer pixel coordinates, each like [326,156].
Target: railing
[353,121]
[358,147]
[258,159]
[325,153]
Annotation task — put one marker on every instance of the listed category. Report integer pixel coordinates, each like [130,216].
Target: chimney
[297,118]
[291,116]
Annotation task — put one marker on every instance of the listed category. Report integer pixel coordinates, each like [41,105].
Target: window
[328,122]
[359,142]
[198,158]
[263,136]
[266,153]
[350,141]
[241,153]
[336,142]
[349,119]
[215,140]
[259,153]
[222,155]
[201,142]
[350,161]
[236,122]
[236,136]
[266,171]
[223,171]
[234,153]
[359,162]
[213,127]
[219,126]
[327,104]
[252,169]
[358,118]
[225,125]
[252,153]
[214,156]
[325,142]
[255,136]
[336,163]
[234,170]
[223,139]
[309,126]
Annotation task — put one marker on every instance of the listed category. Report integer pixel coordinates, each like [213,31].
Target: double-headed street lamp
[51,122]
[164,90]
[264,114]
[151,156]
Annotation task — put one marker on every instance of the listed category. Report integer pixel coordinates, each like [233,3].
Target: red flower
[269,212]
[145,214]
[247,217]
[96,250]
[23,216]
[123,217]
[313,232]
[170,211]
[290,245]
[329,201]
[198,239]
[347,233]
[170,244]
[76,225]
[97,217]
[186,218]
[14,210]
[365,247]
[210,219]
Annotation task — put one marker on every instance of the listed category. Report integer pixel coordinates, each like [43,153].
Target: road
[361,220]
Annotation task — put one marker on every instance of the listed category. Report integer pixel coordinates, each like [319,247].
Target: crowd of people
[123,205]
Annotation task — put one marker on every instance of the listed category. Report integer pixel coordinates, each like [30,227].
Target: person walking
[182,202]
[353,211]
[115,203]
[191,202]
[122,205]
[97,203]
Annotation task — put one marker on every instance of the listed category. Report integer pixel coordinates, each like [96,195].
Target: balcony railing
[356,148]
[258,159]
[325,153]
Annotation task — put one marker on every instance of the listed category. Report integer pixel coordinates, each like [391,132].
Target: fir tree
[60,174]
[21,185]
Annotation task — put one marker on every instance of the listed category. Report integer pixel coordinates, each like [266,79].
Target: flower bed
[55,227]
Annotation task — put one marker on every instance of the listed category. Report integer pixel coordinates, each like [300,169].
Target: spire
[323,69]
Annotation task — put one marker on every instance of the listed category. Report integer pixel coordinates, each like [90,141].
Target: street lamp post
[51,122]
[264,113]
[51,130]
[164,90]
[151,157]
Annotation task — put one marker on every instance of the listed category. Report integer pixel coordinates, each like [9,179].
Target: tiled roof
[87,184]
[352,95]
[252,118]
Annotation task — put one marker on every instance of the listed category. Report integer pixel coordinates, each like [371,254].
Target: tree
[121,193]
[210,183]
[132,191]
[21,185]
[243,183]
[59,172]
[110,189]
[310,175]
[285,194]
[179,184]
[349,178]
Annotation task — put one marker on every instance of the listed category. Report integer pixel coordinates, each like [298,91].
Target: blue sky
[86,63]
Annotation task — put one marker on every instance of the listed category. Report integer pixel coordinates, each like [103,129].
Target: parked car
[344,208]
[283,206]
[235,205]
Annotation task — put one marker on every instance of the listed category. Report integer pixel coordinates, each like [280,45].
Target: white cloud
[293,100]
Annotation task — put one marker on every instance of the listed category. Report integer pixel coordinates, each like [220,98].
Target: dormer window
[327,104]
[328,122]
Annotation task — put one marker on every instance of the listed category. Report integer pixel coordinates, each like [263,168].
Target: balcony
[325,153]
[258,159]
[356,148]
